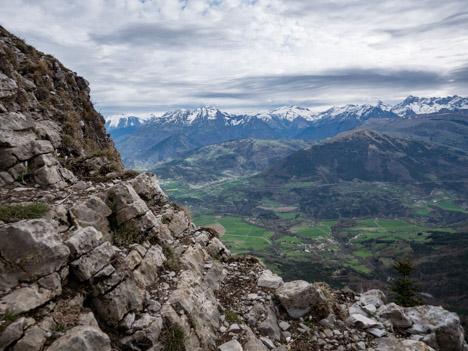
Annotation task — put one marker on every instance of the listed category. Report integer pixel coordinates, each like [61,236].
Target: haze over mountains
[146,141]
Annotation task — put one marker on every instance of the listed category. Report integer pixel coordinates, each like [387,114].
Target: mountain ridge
[290,122]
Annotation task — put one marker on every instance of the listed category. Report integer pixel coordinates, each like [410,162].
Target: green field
[240,236]
[320,230]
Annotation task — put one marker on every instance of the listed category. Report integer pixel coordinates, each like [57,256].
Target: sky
[250,55]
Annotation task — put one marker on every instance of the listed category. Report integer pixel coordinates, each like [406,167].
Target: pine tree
[404,287]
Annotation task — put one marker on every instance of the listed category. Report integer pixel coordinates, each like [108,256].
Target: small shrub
[58,328]
[13,213]
[232,316]
[173,338]
[123,236]
[172,263]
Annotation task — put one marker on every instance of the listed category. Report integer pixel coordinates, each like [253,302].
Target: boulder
[194,258]
[269,280]
[232,345]
[444,324]
[216,247]
[396,315]
[48,175]
[82,338]
[373,297]
[31,249]
[362,322]
[269,327]
[177,221]
[298,296]
[127,202]
[147,186]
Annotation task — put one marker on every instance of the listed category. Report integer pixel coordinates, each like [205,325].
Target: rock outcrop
[48,126]
[112,265]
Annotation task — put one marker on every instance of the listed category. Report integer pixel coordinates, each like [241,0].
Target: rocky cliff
[92,258]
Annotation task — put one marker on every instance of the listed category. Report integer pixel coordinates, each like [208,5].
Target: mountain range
[146,141]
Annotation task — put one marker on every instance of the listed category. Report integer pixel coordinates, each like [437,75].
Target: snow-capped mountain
[189,117]
[340,119]
[289,113]
[414,105]
[143,139]
[357,112]
[125,121]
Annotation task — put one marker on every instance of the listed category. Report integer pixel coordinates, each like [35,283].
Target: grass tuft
[13,213]
[174,338]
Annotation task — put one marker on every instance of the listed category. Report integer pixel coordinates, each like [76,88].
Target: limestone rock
[28,298]
[444,324]
[33,340]
[373,297]
[147,186]
[363,322]
[215,275]
[127,202]
[298,297]
[147,273]
[48,175]
[269,327]
[396,315]
[83,240]
[254,344]
[269,280]
[89,264]
[12,333]
[92,212]
[216,247]
[31,249]
[15,121]
[8,87]
[82,338]
[113,306]
[232,345]
[177,221]
[391,343]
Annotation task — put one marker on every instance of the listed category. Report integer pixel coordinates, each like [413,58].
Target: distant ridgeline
[144,141]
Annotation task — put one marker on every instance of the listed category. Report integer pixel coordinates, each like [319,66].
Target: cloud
[164,36]
[236,54]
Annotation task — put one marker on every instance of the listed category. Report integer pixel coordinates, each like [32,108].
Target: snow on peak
[187,117]
[125,120]
[416,105]
[289,113]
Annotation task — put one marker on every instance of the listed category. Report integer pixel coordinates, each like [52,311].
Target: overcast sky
[240,55]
